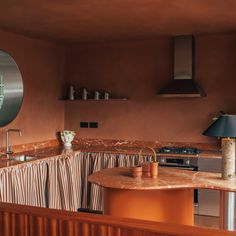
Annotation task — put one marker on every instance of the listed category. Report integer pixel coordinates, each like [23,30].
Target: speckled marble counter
[120,178]
[53,148]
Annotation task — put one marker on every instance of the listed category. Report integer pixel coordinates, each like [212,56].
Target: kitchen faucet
[8,148]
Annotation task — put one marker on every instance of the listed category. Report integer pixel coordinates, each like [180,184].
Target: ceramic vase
[67,137]
[154,169]
[146,169]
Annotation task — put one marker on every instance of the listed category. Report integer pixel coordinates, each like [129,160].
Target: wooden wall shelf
[100,100]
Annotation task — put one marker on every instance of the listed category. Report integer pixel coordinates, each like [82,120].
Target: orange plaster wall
[138,69]
[42,66]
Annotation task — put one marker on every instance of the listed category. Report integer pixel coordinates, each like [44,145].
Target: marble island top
[120,178]
[54,148]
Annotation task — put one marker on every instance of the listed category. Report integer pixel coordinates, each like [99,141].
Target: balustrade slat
[93,230]
[26,225]
[76,228]
[6,224]
[70,228]
[1,223]
[13,224]
[86,229]
[103,230]
[113,231]
[38,226]
[54,227]
[19,226]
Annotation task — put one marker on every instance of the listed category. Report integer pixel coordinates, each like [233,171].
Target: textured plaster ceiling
[83,20]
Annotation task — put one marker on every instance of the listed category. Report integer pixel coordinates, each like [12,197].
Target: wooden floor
[206,221]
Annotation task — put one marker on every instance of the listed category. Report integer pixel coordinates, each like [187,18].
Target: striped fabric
[64,183]
[100,161]
[24,185]
[92,197]
[61,182]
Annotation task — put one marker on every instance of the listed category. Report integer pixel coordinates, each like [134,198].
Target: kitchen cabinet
[61,182]
[208,200]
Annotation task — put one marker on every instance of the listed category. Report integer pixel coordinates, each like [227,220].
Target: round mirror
[11,89]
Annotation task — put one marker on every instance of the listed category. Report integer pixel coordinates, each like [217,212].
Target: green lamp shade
[224,127]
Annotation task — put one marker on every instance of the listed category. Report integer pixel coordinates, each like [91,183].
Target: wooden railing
[19,220]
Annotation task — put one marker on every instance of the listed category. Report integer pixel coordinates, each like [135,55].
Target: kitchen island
[169,198]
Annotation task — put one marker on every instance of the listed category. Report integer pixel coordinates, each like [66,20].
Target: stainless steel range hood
[183,84]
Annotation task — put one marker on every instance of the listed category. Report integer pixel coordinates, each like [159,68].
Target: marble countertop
[53,149]
[120,178]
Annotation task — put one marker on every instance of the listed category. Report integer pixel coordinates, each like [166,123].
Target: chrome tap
[8,148]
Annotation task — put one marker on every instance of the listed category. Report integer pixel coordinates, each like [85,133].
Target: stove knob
[162,160]
[187,162]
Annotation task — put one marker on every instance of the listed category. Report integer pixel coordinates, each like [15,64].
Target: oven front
[190,164]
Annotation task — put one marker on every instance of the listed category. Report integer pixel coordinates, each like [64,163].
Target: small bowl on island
[136,171]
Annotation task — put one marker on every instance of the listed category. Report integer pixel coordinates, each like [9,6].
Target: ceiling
[93,20]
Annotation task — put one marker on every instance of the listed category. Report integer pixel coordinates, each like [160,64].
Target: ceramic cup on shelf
[106,96]
[146,169]
[67,137]
[71,92]
[85,94]
[136,171]
[96,95]
[154,169]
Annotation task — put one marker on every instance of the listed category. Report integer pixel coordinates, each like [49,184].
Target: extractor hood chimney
[183,84]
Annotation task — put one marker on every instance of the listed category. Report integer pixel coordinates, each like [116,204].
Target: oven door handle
[183,167]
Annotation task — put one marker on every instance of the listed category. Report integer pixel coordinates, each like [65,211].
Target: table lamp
[225,128]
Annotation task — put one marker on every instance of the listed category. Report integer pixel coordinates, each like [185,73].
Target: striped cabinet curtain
[100,161]
[92,196]
[64,183]
[61,182]
[24,184]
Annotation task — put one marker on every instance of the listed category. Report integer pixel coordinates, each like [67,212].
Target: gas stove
[179,150]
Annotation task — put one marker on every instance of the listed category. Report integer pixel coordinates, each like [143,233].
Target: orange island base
[169,198]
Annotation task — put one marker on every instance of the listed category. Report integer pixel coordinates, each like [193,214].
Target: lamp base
[228,158]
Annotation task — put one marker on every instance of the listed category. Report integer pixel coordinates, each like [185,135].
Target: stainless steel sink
[24,158]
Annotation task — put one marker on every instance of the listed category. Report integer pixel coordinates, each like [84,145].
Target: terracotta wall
[42,67]
[137,70]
